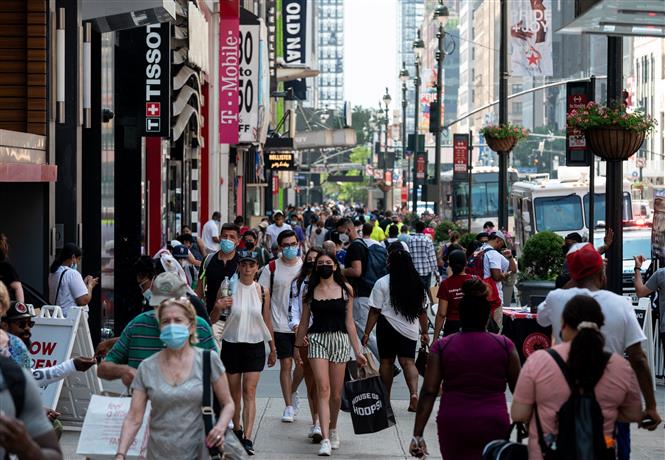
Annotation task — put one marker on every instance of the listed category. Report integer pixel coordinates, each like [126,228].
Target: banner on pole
[531,38]
[578,94]
[460,156]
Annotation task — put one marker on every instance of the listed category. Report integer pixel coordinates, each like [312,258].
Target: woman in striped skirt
[329,301]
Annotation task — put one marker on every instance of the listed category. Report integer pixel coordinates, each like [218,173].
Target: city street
[277,440]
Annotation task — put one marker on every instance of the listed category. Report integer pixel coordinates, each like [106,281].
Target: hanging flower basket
[503,138]
[613,143]
[383,186]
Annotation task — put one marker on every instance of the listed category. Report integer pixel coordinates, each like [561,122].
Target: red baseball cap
[583,261]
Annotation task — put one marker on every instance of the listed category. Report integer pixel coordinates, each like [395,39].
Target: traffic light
[434,117]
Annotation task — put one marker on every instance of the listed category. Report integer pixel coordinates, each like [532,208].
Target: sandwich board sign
[55,339]
[643,314]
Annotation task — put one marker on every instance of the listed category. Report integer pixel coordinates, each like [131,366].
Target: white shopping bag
[102,425]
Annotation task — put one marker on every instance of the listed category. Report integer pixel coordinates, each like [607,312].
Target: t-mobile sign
[229,63]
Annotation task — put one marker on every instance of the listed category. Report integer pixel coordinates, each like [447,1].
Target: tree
[360,118]
[526,153]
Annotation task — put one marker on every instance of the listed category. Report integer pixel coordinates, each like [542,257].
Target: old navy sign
[296,49]
[229,68]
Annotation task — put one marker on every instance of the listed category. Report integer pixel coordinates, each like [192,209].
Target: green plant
[441,232]
[542,257]
[600,116]
[504,131]
[466,239]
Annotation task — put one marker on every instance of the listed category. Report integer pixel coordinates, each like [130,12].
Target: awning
[641,18]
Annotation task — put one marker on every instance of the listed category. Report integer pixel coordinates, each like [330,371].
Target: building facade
[329,85]
[410,14]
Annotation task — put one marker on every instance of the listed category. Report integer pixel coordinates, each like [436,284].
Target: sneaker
[315,434]
[249,446]
[334,439]
[324,450]
[295,400]
[288,416]
[239,434]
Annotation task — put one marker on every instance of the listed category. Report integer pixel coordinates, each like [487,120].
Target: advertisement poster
[578,94]
[531,38]
[460,155]
[229,63]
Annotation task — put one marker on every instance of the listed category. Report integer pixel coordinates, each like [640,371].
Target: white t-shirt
[393,240]
[494,259]
[380,299]
[281,289]
[621,328]
[273,231]
[71,288]
[210,230]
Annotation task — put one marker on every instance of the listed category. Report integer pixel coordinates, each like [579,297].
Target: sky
[370,51]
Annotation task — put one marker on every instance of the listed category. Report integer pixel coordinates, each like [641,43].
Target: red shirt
[451,291]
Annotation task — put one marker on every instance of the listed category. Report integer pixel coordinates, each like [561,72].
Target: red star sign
[533,59]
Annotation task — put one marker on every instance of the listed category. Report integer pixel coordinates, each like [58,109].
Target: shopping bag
[353,372]
[369,406]
[505,449]
[421,360]
[102,425]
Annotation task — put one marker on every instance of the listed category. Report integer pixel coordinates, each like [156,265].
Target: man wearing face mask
[277,277]
[275,229]
[250,238]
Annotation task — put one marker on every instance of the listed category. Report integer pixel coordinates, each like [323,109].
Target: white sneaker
[288,416]
[334,439]
[315,434]
[324,450]
[295,400]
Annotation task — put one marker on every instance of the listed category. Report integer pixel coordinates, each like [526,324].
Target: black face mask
[324,271]
[249,245]
[308,266]
[565,250]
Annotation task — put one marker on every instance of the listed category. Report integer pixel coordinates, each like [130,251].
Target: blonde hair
[187,307]
[4,299]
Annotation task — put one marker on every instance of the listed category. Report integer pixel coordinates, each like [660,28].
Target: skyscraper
[329,90]
[409,18]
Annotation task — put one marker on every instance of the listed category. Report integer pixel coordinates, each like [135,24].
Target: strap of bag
[206,403]
[544,448]
[563,366]
[57,291]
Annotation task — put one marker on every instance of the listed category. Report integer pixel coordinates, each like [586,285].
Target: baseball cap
[499,234]
[245,254]
[17,310]
[263,225]
[583,261]
[180,252]
[576,237]
[276,212]
[165,286]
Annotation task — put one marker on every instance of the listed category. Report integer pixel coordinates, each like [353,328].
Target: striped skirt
[332,346]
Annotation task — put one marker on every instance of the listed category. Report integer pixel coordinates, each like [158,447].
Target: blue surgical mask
[227,246]
[147,295]
[75,266]
[174,336]
[290,252]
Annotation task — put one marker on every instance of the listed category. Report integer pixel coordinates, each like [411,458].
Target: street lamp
[388,193]
[404,77]
[418,49]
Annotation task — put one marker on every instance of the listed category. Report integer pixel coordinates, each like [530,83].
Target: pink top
[542,382]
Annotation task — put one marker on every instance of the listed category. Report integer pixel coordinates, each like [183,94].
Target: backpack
[272,266]
[377,261]
[14,381]
[475,266]
[580,422]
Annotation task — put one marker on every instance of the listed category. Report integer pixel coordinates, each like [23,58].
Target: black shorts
[243,357]
[451,327]
[285,344]
[391,343]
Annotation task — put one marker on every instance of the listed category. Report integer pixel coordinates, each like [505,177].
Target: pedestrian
[498,264]
[240,222]
[172,380]
[274,229]
[140,338]
[393,234]
[623,334]
[277,277]
[607,376]
[474,366]
[450,294]
[12,346]
[25,431]
[442,259]
[216,268]
[377,233]
[67,288]
[8,274]
[193,243]
[340,252]
[248,329]
[303,369]
[210,234]
[329,303]
[261,232]
[404,234]
[483,237]
[249,240]
[424,257]
[317,232]
[399,311]
[488,227]
[655,283]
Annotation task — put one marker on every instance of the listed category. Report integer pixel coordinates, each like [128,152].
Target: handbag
[421,360]
[505,449]
[233,448]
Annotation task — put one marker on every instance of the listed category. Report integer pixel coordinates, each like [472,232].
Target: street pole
[614,184]
[416,82]
[437,135]
[592,178]
[503,116]
[469,178]
[405,174]
[388,194]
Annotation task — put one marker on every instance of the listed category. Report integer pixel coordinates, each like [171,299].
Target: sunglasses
[246,253]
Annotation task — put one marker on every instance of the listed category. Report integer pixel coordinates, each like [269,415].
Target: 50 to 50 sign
[245,83]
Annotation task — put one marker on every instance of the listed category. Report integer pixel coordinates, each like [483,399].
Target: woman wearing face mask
[303,366]
[67,287]
[172,380]
[250,239]
[329,303]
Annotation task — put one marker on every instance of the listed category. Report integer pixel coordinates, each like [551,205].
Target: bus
[484,197]
[561,206]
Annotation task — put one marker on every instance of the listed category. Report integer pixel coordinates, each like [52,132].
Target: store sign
[280,161]
[229,69]
[271,8]
[248,80]
[460,155]
[296,48]
[421,167]
[578,94]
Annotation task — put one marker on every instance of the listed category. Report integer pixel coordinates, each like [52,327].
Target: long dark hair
[586,360]
[406,293]
[474,308]
[457,261]
[67,251]
[304,273]
[315,279]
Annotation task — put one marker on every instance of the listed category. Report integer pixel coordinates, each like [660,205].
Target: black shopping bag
[353,372]
[370,408]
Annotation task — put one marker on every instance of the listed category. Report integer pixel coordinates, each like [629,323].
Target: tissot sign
[150,62]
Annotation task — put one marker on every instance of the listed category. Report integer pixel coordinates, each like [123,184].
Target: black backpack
[580,424]
[14,382]
[377,263]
